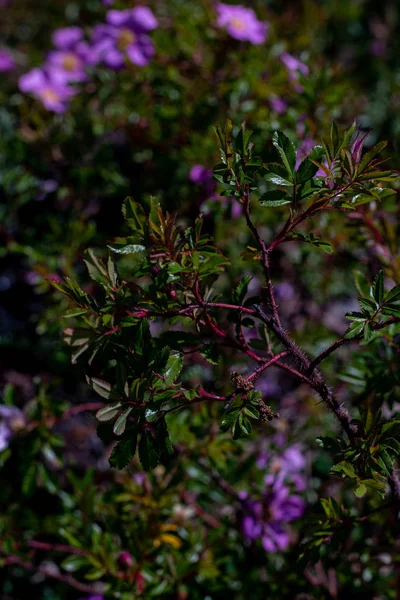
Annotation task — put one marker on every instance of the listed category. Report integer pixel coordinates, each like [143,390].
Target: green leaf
[367,305]
[368,333]
[95,266]
[362,283]
[133,214]
[368,156]
[176,339]
[275,198]
[286,150]
[148,451]
[360,490]
[128,249]
[307,169]
[277,174]
[354,330]
[391,310]
[211,354]
[120,423]
[74,312]
[242,139]
[173,368]
[163,439]
[393,295]
[108,412]
[124,451]
[74,563]
[229,420]
[103,388]
[377,289]
[345,468]
[240,290]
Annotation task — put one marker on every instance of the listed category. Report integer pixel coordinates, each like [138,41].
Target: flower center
[70,62]
[126,38]
[237,23]
[50,95]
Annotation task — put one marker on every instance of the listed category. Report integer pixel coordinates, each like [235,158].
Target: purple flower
[124,36]
[45,85]
[95,597]
[68,61]
[204,177]
[66,65]
[7,62]
[304,150]
[278,104]
[241,23]
[284,290]
[67,38]
[11,421]
[265,518]
[200,175]
[293,64]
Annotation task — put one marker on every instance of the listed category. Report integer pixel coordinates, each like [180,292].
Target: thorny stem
[265,255]
[316,380]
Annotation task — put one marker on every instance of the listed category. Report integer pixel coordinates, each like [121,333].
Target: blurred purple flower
[284,290]
[304,150]
[200,175]
[68,61]
[47,87]
[7,62]
[204,177]
[265,518]
[124,37]
[11,420]
[278,104]
[67,38]
[293,64]
[95,597]
[292,460]
[241,23]
[66,66]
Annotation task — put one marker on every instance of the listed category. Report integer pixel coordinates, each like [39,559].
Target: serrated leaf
[362,283]
[345,468]
[360,490]
[307,169]
[211,354]
[95,266]
[173,368]
[275,198]
[148,451]
[368,156]
[393,295]
[286,150]
[240,290]
[377,289]
[133,214]
[124,451]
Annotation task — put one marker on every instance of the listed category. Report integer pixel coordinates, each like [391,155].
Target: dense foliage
[200,392]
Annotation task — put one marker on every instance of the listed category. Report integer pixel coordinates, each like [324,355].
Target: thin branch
[67,579]
[255,374]
[265,256]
